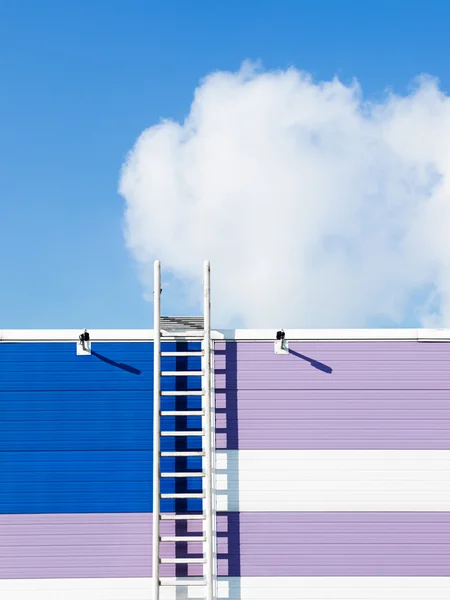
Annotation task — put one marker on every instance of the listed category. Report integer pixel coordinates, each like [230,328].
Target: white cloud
[316,208]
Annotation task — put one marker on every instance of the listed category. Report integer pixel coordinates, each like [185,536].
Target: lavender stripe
[46,571]
[332,552]
[98,570]
[341,395]
[231,442]
[281,570]
[109,550]
[332,365]
[282,381]
[335,413]
[334,544]
[269,571]
[61,520]
[331,420]
[348,398]
[88,545]
[383,351]
[359,519]
[270,544]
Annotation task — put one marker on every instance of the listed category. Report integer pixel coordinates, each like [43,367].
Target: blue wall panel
[76,432]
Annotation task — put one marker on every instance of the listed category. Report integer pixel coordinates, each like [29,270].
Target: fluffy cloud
[315,207]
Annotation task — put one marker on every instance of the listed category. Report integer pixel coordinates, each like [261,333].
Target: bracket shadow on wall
[84,349]
[282,347]
[314,363]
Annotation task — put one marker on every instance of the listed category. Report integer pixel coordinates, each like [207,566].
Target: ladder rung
[194,474]
[184,453]
[193,353]
[183,393]
[170,517]
[184,582]
[182,413]
[182,495]
[183,538]
[181,433]
[181,373]
[181,561]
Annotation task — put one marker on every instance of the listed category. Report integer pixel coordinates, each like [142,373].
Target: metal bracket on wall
[84,344]
[281,345]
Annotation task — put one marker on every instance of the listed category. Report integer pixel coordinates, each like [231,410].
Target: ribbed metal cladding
[182,323]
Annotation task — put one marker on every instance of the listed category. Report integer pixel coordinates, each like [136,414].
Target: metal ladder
[183,329]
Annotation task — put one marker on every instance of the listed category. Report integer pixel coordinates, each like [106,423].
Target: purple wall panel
[249,544]
[86,545]
[333,395]
[334,544]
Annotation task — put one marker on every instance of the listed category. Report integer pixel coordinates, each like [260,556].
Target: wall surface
[76,437]
[333,470]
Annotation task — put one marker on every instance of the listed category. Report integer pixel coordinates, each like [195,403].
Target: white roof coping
[145,335]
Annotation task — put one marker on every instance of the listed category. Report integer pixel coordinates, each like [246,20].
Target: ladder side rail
[156,430]
[208,508]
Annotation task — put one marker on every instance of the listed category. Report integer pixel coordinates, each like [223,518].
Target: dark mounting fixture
[281,335]
[84,339]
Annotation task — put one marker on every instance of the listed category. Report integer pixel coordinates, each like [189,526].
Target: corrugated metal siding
[310,544]
[334,588]
[76,448]
[76,469]
[76,431]
[84,545]
[330,460]
[347,395]
[331,480]
[234,588]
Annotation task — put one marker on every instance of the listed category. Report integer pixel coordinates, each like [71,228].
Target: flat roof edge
[145,335]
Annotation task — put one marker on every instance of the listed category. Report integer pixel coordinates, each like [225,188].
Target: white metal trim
[255,335]
[156,428]
[72,335]
[207,427]
[330,334]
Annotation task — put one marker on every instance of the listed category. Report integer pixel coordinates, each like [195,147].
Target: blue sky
[80,81]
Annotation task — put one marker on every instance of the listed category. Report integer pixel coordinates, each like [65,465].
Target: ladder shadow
[183,528]
[182,485]
[227,475]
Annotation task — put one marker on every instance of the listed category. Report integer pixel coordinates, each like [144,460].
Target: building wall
[333,470]
[76,437]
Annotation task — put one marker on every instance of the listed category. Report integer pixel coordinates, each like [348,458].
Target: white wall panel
[333,480]
[335,588]
[76,589]
[92,589]
[244,588]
